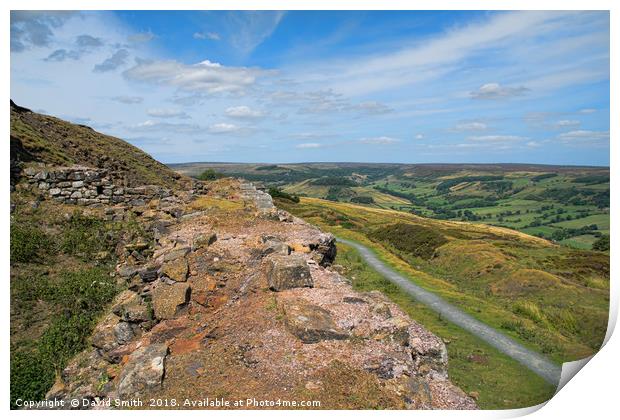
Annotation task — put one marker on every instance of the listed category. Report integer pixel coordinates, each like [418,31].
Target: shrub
[31,376]
[79,297]
[28,243]
[210,175]
[415,240]
[601,244]
[278,193]
[83,236]
[362,200]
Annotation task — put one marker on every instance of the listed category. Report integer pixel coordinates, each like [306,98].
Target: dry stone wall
[87,186]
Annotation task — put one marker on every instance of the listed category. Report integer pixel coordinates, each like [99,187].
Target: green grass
[78,298]
[485,271]
[28,243]
[474,366]
[60,284]
[580,242]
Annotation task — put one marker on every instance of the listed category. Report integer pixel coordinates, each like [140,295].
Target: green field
[554,202]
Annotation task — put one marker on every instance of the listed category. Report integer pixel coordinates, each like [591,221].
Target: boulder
[149,274]
[311,323]
[273,246]
[169,299]
[288,272]
[203,240]
[127,270]
[428,351]
[144,371]
[123,332]
[394,330]
[129,307]
[103,337]
[176,253]
[176,269]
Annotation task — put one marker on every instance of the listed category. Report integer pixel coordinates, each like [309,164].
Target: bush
[28,243]
[278,193]
[79,297]
[601,244]
[31,376]
[362,200]
[210,175]
[83,236]
[415,240]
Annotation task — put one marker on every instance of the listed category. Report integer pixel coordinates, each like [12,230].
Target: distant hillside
[566,204]
[42,138]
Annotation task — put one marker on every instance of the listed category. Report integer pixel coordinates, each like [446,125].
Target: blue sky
[462,86]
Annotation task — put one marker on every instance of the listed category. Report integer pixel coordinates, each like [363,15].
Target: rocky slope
[238,302]
[226,299]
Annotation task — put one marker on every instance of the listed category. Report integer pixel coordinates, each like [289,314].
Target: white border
[592,394]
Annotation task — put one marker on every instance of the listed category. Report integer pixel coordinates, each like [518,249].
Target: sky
[325,86]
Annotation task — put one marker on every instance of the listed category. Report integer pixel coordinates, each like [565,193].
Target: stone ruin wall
[87,186]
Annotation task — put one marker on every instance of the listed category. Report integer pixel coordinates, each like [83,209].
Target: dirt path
[534,361]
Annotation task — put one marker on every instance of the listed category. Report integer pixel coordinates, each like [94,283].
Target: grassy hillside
[61,255]
[479,369]
[42,138]
[552,298]
[569,205]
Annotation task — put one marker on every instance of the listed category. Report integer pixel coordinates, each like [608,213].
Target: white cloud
[130,100]
[471,126]
[150,125]
[587,135]
[222,128]
[252,28]
[496,138]
[141,37]
[419,136]
[433,57]
[166,113]
[243,112]
[213,36]
[567,123]
[497,91]
[587,111]
[371,108]
[203,77]
[384,140]
[309,146]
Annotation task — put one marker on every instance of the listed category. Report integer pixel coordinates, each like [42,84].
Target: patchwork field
[565,204]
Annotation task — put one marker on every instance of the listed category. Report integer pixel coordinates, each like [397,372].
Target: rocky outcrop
[287,272]
[168,300]
[311,323]
[240,303]
[144,371]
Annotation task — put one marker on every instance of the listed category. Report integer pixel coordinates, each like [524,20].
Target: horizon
[384,163]
[426,87]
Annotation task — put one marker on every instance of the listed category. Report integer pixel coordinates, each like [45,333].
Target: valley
[568,205]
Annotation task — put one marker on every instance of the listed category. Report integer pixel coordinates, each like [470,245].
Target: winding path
[532,360]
